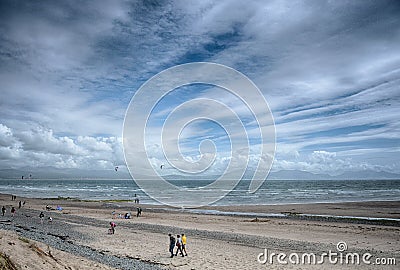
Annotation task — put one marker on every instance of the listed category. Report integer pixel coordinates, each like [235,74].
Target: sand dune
[25,253]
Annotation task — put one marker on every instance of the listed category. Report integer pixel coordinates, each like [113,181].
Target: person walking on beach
[41,216]
[179,245]
[112,225]
[184,243]
[19,204]
[139,212]
[171,244]
[12,211]
[3,210]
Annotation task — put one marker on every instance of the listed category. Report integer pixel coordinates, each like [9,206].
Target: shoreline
[277,193]
[76,199]
[215,241]
[380,210]
[157,204]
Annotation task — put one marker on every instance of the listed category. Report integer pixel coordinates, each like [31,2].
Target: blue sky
[330,72]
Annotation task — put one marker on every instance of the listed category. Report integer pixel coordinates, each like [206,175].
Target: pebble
[60,235]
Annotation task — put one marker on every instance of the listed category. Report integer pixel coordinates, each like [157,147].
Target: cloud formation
[41,148]
[330,72]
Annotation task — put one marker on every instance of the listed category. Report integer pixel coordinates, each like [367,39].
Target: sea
[272,192]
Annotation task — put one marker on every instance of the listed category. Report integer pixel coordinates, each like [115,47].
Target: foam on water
[271,192]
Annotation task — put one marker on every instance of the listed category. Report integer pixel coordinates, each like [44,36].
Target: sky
[329,70]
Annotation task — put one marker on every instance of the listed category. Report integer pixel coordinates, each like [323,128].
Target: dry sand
[224,242]
[28,254]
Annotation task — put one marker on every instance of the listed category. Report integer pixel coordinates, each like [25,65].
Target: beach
[218,237]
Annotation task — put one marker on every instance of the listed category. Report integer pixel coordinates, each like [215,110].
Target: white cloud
[323,162]
[40,147]
[42,140]
[6,136]
[94,144]
[326,68]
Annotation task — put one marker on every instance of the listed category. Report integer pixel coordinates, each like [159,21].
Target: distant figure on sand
[139,212]
[184,243]
[179,245]
[112,229]
[12,211]
[171,244]
[3,210]
[19,204]
[41,216]
[136,200]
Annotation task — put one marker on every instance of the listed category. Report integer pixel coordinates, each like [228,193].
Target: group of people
[179,243]
[4,211]
[13,210]
[41,216]
[127,215]
[20,205]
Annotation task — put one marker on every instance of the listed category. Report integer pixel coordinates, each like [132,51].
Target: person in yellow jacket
[184,243]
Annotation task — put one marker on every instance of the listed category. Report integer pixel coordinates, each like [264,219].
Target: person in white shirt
[179,245]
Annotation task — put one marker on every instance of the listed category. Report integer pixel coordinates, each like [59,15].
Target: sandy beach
[234,237]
